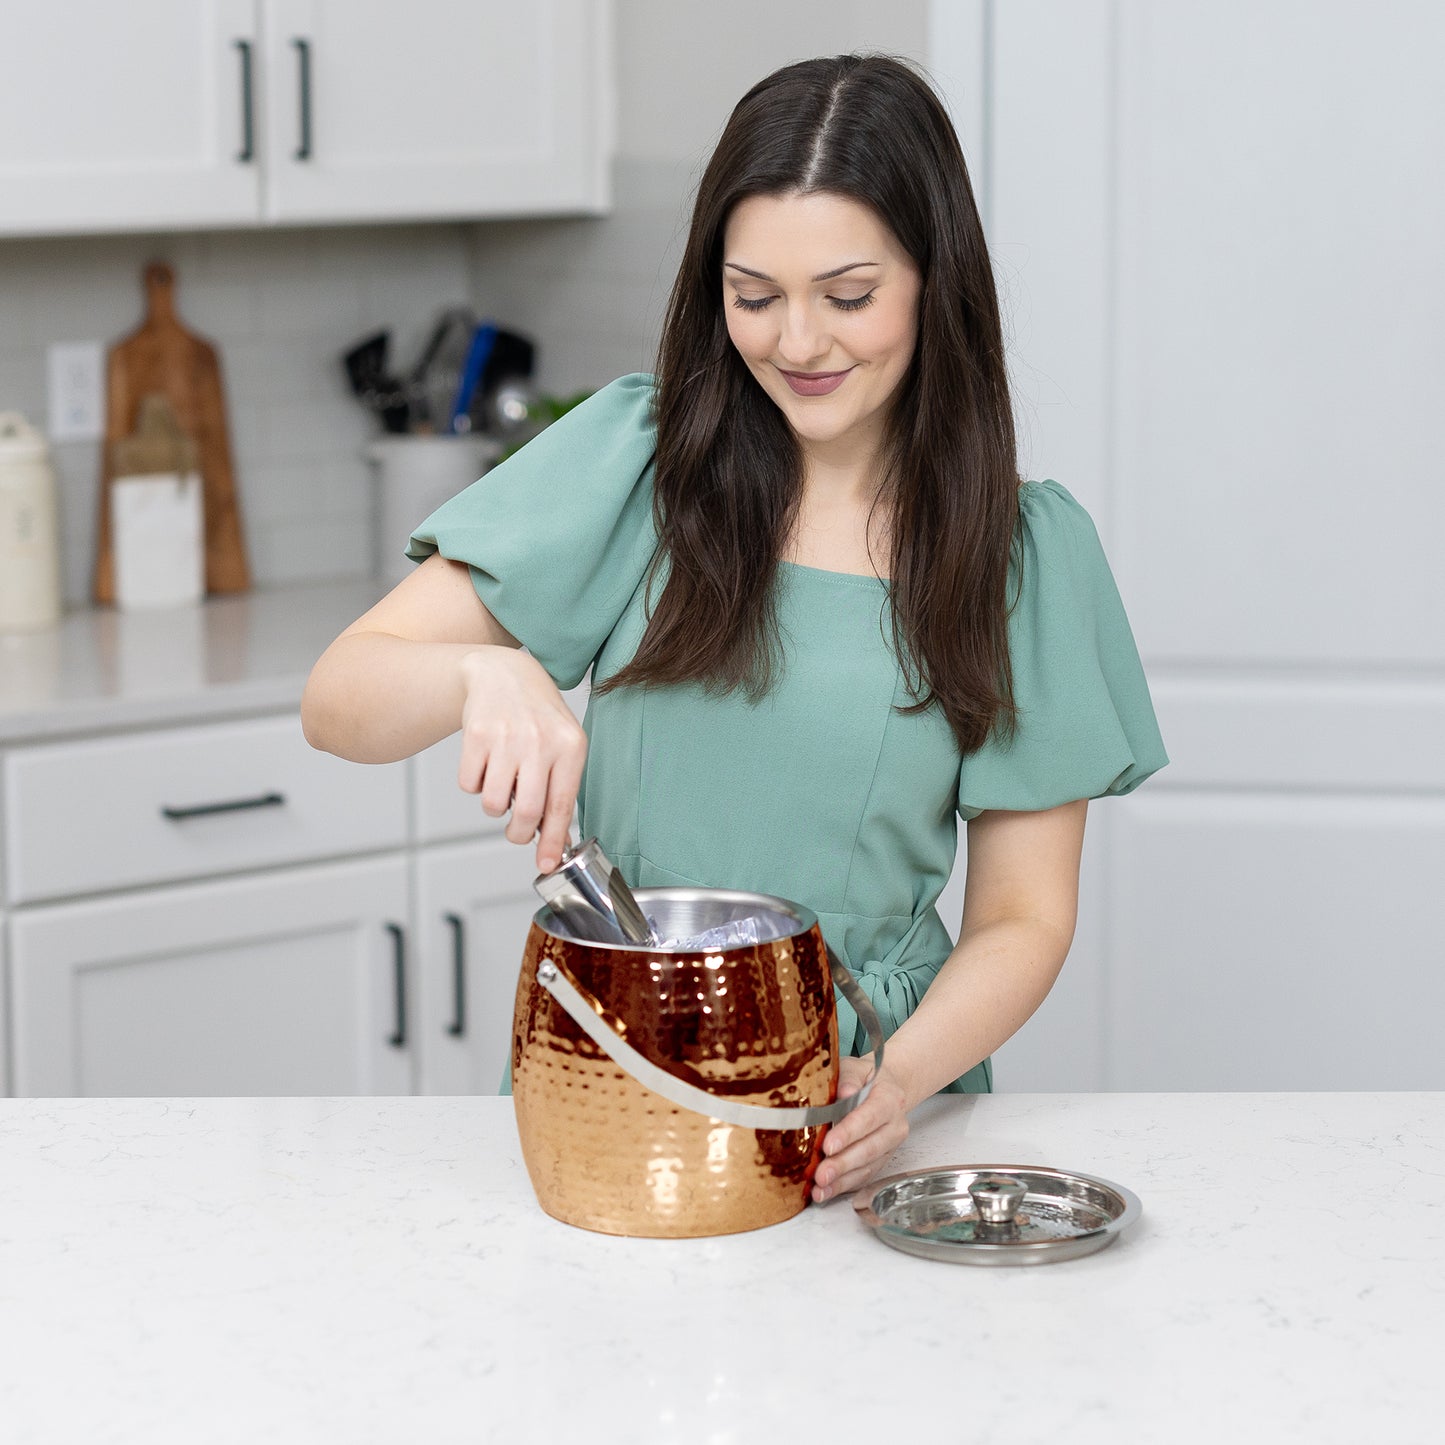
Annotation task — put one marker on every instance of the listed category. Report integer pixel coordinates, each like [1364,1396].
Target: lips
[815,383]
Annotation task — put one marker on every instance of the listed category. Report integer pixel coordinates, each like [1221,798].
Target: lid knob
[996,1197]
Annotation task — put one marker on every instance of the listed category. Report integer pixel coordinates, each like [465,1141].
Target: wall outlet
[76,395]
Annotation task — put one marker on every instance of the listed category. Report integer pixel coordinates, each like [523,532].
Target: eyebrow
[826,275]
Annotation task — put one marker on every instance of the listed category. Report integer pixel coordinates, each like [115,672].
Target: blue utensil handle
[484,338]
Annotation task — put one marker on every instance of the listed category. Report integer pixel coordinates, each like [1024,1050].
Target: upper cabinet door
[128,117]
[435,109]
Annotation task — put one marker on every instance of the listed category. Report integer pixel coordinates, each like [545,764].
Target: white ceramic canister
[414,476]
[29,529]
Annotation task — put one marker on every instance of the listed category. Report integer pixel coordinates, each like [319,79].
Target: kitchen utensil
[162,356]
[434,380]
[29,529]
[591,898]
[506,381]
[996,1213]
[674,1092]
[509,409]
[378,390]
[479,352]
[157,521]
[427,406]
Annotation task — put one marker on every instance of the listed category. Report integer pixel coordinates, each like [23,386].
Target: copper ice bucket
[679,1092]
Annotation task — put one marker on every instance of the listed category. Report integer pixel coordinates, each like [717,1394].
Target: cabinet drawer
[187,802]
[443,811]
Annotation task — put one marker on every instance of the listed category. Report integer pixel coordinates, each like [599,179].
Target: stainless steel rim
[802,918]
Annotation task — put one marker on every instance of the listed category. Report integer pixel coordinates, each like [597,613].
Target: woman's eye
[856,303]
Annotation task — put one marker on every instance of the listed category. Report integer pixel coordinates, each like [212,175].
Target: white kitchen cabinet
[294,929]
[1159,182]
[274,983]
[6,1086]
[474,904]
[173,803]
[127,116]
[485,109]
[167,114]
[129,974]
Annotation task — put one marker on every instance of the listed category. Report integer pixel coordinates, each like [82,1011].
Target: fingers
[529,798]
[522,751]
[856,1148]
[562,787]
[539,792]
[499,782]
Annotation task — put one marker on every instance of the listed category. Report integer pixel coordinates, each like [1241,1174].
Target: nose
[803,337]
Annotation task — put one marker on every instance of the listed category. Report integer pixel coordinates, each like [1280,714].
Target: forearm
[992,982]
[375,698]
[1019,908]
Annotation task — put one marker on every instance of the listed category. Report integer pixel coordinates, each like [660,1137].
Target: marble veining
[377,1270]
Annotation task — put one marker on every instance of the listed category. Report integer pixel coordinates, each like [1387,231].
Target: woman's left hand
[855,1148]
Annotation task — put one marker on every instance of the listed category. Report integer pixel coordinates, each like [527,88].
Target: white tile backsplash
[281,308]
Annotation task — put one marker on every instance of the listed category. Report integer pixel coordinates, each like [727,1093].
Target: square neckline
[866,579]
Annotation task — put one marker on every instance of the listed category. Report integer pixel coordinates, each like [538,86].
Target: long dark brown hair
[729,471]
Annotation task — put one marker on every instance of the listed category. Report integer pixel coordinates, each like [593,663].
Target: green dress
[823,792]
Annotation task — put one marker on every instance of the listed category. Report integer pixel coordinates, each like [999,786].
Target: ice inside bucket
[689,919]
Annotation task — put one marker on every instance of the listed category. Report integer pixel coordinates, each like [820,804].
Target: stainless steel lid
[996,1213]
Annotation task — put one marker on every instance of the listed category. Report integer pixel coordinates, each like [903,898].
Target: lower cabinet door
[286,983]
[474,906]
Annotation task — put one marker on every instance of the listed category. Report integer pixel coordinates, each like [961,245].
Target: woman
[823,617]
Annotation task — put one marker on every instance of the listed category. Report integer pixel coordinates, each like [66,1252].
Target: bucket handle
[585,1012]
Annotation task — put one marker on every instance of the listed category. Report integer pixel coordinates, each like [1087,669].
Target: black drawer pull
[458,1025]
[235,805]
[248,120]
[303,60]
[398,946]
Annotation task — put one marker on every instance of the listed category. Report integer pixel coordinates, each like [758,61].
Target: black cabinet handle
[234,805]
[303,60]
[458,1025]
[248,117]
[398,953]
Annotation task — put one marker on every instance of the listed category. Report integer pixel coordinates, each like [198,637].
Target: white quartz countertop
[357,1270]
[100,669]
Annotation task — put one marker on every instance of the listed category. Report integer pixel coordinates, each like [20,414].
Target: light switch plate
[76,391]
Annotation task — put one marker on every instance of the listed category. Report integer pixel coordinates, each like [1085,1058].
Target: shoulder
[625,405]
[1056,533]
[1049,511]
[605,443]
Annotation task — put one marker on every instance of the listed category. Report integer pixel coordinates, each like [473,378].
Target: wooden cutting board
[163,357]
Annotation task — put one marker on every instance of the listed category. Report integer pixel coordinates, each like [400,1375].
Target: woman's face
[822,304]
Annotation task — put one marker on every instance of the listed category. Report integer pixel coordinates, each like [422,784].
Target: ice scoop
[592,898]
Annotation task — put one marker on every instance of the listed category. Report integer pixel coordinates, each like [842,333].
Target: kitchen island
[377,1269]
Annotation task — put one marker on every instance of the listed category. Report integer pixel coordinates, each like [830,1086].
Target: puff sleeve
[559,535]
[1086,725]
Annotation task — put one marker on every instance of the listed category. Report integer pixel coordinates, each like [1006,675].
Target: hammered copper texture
[756,1024]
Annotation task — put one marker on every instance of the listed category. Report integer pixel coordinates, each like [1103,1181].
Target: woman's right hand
[428,655]
[522,748]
